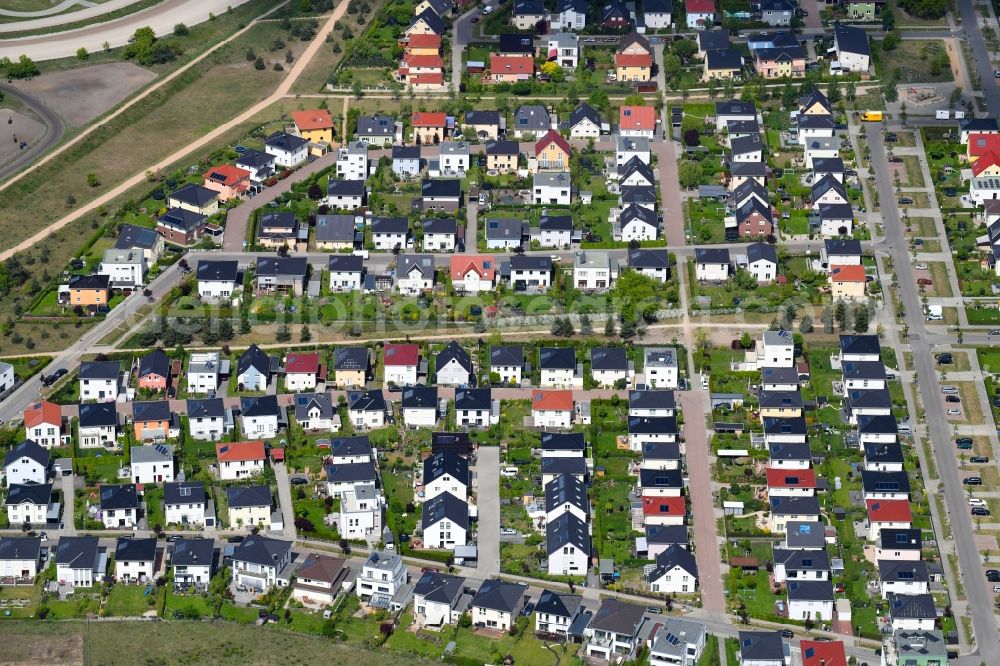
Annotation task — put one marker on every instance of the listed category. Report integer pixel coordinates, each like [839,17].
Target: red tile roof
[481,264]
[42,412]
[889,511]
[633,60]
[429,119]
[552,400]
[237,451]
[428,79]
[663,506]
[980,144]
[313,119]
[401,355]
[555,137]
[305,363]
[425,41]
[424,61]
[699,6]
[823,653]
[848,273]
[227,174]
[791,478]
[985,161]
[637,118]
[511,64]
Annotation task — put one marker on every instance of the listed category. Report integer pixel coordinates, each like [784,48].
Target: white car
[920,267]
[954,412]
[487,10]
[975,501]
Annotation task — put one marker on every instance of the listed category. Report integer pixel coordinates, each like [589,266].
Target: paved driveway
[488,499]
[285,498]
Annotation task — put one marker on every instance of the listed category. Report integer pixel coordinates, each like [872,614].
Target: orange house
[229,181]
[428,126]
[151,420]
[552,152]
[424,45]
[511,68]
[87,290]
[314,125]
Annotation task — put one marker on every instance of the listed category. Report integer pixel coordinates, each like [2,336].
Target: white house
[192,561]
[315,412]
[203,372]
[853,50]
[638,223]
[361,514]
[473,408]
[346,272]
[28,503]
[552,188]
[570,15]
[389,232]
[445,522]
[414,273]
[552,409]
[609,365]
[26,463]
[557,367]
[366,409]
[262,416]
[240,460]
[119,506]
[497,604]
[555,613]
[382,574]
[614,630]
[658,14]
[288,150]
[19,557]
[446,472]
[420,406]
[249,506]
[679,642]
[217,279]
[440,234]
[184,503]
[352,161]
[568,546]
[676,572]
[342,479]
[555,231]
[301,371]
[661,367]
[208,420]
[345,194]
[400,364]
[453,158]
[530,273]
[99,381]
[135,560]
[903,577]
[594,270]
[810,600]
[260,562]
[80,561]
[507,363]
[762,262]
[43,424]
[125,268]
[712,265]
[253,369]
[7,377]
[152,464]
[453,366]
[436,598]
[777,350]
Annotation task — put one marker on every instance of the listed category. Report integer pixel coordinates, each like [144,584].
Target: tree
[791,312]
[24,68]
[685,48]
[713,88]
[315,192]
[93,180]
[689,174]
[746,341]
[305,335]
[833,92]
[840,314]
[828,320]
[806,325]
[744,280]
[180,30]
[789,99]
[283,334]
[599,100]
[692,137]
[851,91]
[861,319]
[82,54]
[955,97]
[259,64]
[671,66]
[891,41]
[586,328]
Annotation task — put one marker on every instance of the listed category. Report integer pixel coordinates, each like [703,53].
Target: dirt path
[318,41]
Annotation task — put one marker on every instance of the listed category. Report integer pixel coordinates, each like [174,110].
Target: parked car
[963,440]
[980,511]
[954,412]
[952,398]
[904,201]
[945,359]
[964,446]
[925,281]
[972,481]
[979,459]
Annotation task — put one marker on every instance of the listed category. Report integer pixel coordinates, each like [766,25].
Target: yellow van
[871,116]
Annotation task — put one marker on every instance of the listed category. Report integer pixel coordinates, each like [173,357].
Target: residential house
[552,409]
[420,406]
[615,16]
[192,561]
[152,464]
[194,199]
[99,380]
[406,161]
[154,370]
[26,463]
[551,188]
[916,648]
[315,412]
[848,283]
[568,546]
[135,560]
[118,506]
[366,409]
[249,506]
[785,510]
[678,642]
[217,280]
[762,262]
[970,126]
[712,264]
[148,241]
[661,367]
[531,120]
[559,444]
[483,125]
[428,127]
[651,403]
[497,604]
[852,48]
[658,14]
[613,632]
[259,164]
[712,40]
[377,130]
[555,613]
[564,50]
[634,59]
[836,219]
[352,161]
[204,369]
[762,648]
[473,273]
[502,156]
[810,600]
[382,575]
[336,232]
[553,468]
[723,63]
[511,68]
[507,364]
[239,460]
[776,13]
[346,194]
[570,15]
[454,158]
[504,233]
[43,424]
[229,181]
[445,522]
[594,270]
[80,561]
[19,558]
[552,152]
[361,513]
[28,504]
[558,367]
[182,226]
[903,577]
[389,233]
[676,572]
[747,148]
[302,371]
[700,14]
[781,62]
[262,417]
[315,125]
[260,563]
[276,230]
[439,599]
[584,122]
[453,366]
[443,195]
[440,234]
[652,263]
[912,612]
[609,366]
[637,121]
[350,367]
[812,127]
[184,503]
[637,223]
[126,269]
[253,369]
[887,514]
[347,272]
[288,150]
[446,472]
[414,273]
[528,14]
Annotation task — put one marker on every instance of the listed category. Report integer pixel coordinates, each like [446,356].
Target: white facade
[159,471]
[300,381]
[25,512]
[676,580]
[45,434]
[352,161]
[814,610]
[100,390]
[209,429]
[568,561]
[203,372]
[444,535]
[558,377]
[387,241]
[401,375]
[552,418]
[439,242]
[384,579]
[252,379]
[113,518]
[133,570]
[363,419]
[778,352]
[509,374]
[637,230]
[248,516]
[24,470]
[230,470]
[711,272]
[360,518]
[490,618]
[558,194]
[7,377]
[288,158]
[125,268]
[20,568]
[190,513]
[215,290]
[479,418]
[763,270]
[345,280]
[82,576]
[420,417]
[446,483]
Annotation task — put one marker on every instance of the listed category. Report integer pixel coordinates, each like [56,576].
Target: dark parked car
[891,137]
[904,200]
[298,481]
[952,398]
[964,446]
[980,511]
[972,481]
[945,359]
[528,607]
[787,633]
[979,459]
[964,440]
[235,538]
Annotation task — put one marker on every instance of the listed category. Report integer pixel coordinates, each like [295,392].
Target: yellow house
[780,404]
[847,283]
[87,290]
[349,378]
[314,125]
[196,199]
[501,156]
[422,25]
[552,152]
[722,64]
[816,104]
[634,59]
[349,367]
[439,7]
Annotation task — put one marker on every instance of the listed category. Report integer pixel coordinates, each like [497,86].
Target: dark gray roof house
[244,496]
[128,549]
[118,497]
[445,462]
[366,401]
[498,595]
[439,588]
[132,237]
[306,402]
[618,617]
[532,118]
[210,408]
[99,370]
[217,271]
[184,492]
[608,358]
[335,229]
[261,550]
[38,494]
[567,530]
[445,507]
[557,358]
[761,646]
[29,449]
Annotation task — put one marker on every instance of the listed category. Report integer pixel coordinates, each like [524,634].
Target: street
[488,499]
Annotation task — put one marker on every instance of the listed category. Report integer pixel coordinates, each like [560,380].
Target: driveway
[285,499]
[488,499]
[68,499]
[472,228]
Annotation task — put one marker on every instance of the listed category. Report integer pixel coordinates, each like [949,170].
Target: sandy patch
[16,128]
[25,650]
[80,95]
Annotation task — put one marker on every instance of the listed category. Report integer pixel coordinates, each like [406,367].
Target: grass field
[919,61]
[175,642]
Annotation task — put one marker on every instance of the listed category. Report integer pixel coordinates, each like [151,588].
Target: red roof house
[637,119]
[228,180]
[987,161]
[550,137]
[313,119]
[302,363]
[43,413]
[431,119]
[888,511]
[823,653]
[980,144]
[791,478]
[511,68]
[401,355]
[663,510]
[239,451]
[555,401]
[480,267]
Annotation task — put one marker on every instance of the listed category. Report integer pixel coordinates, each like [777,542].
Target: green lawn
[131,600]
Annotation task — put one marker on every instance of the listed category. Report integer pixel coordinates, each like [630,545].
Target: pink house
[778,63]
[229,181]
[154,371]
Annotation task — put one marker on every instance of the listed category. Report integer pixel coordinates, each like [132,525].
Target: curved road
[47,18]
[54,130]
[162,18]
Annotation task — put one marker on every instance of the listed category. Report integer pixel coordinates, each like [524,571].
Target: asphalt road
[46,18]
[285,500]
[54,131]
[162,18]
[980,602]
[488,500]
[973,36]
